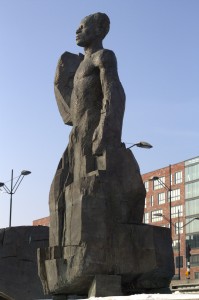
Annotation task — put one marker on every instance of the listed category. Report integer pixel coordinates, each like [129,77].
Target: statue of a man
[97,244]
[91,99]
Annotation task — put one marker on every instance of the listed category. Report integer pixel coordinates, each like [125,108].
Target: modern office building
[173,200]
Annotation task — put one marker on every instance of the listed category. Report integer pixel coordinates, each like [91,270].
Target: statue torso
[87,92]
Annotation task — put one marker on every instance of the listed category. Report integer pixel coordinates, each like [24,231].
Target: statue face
[86,33]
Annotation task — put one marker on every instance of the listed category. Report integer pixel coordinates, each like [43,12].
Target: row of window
[194,261]
[157,215]
[193,240]
[175,195]
[158,184]
[191,174]
[196,276]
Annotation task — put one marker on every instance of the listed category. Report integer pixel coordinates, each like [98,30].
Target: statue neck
[92,48]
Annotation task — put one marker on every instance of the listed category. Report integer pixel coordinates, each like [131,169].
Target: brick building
[180,184]
[42,222]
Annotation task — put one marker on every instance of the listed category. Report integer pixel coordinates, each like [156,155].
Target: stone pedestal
[105,285]
[141,255]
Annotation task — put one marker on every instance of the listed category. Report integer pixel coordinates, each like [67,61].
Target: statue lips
[78,38]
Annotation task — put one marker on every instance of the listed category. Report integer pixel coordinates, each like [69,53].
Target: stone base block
[105,285]
[141,255]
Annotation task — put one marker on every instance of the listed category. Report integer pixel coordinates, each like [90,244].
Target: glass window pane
[161,198]
[175,210]
[196,275]
[159,184]
[151,200]
[146,184]
[146,218]
[175,195]
[192,207]
[192,161]
[192,173]
[194,260]
[192,190]
[193,226]
[154,217]
[193,240]
[178,227]
[178,177]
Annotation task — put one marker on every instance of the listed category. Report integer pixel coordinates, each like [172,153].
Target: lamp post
[178,227]
[142,144]
[13,188]
[168,188]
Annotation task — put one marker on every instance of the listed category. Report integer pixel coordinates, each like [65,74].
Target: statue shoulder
[105,58]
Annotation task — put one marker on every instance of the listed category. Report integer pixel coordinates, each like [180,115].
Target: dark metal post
[178,244]
[11,192]
[170,199]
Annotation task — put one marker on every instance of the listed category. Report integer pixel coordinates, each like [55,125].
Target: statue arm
[108,131]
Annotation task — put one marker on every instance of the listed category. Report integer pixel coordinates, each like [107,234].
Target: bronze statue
[97,195]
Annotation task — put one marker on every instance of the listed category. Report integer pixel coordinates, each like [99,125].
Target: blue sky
[157,48]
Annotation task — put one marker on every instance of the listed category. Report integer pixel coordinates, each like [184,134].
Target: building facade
[174,191]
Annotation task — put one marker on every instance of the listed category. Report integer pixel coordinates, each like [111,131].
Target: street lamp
[178,227]
[169,190]
[13,188]
[141,145]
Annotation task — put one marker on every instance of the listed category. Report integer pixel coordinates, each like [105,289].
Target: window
[192,207]
[175,195]
[178,227]
[151,200]
[192,190]
[179,260]
[192,173]
[146,218]
[161,198]
[178,177]
[155,218]
[175,245]
[194,260]
[145,203]
[146,184]
[193,226]
[192,161]
[157,184]
[175,210]
[193,240]
[196,275]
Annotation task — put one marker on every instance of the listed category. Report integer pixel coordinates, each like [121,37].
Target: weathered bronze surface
[97,195]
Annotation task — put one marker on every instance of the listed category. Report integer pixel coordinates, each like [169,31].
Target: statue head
[93,27]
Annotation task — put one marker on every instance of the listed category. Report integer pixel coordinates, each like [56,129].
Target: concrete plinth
[105,285]
[140,254]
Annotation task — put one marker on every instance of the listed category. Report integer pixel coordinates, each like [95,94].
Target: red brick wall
[43,222]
